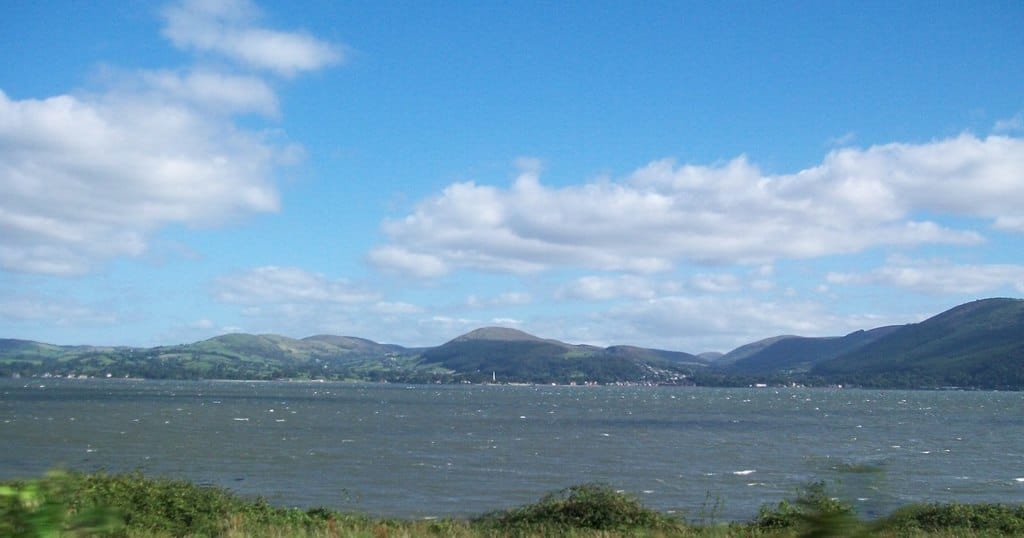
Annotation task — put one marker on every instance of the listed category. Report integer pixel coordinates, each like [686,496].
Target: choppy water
[422,451]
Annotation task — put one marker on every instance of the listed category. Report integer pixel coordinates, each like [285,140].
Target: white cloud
[202,324]
[938,276]
[1009,125]
[395,308]
[701,323]
[408,262]
[604,288]
[88,178]
[298,303]
[288,286]
[510,298]
[228,28]
[664,214]
[212,91]
[844,139]
[61,312]
[716,283]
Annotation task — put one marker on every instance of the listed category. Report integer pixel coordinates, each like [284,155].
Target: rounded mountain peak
[504,334]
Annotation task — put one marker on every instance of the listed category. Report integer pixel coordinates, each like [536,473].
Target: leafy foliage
[130,505]
[998,518]
[49,508]
[68,504]
[813,505]
[587,506]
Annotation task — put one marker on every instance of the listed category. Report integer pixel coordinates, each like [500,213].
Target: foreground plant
[133,506]
[47,508]
[587,506]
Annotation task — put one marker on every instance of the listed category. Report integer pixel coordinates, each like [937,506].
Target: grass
[134,506]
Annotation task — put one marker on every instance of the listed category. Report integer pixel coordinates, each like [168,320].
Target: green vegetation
[541,361]
[978,344]
[131,505]
[587,506]
[232,356]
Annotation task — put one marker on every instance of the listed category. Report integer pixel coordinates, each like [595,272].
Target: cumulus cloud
[664,213]
[406,261]
[229,28]
[288,285]
[85,177]
[938,276]
[88,178]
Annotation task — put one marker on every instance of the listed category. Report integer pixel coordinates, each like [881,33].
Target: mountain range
[979,344]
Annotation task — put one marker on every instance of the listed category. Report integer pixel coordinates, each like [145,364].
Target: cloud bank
[937,276]
[665,214]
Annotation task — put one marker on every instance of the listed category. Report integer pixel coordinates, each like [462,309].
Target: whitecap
[241,419]
[1021,479]
[744,472]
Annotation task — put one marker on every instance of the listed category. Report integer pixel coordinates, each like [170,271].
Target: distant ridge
[978,344]
[750,349]
[511,354]
[798,353]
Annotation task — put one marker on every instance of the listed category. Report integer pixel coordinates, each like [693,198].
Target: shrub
[68,504]
[586,506]
[974,517]
[48,507]
[814,513]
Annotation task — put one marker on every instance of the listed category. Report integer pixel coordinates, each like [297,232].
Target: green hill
[791,354]
[978,344]
[748,350]
[512,355]
[230,356]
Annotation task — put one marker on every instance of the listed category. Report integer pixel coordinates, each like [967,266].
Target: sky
[683,175]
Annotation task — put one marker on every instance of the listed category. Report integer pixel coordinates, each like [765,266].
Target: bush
[998,518]
[586,506]
[68,504]
[48,507]
[814,513]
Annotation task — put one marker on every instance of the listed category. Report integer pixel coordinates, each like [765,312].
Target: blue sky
[682,175]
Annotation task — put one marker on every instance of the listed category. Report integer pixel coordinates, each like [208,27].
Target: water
[433,451]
